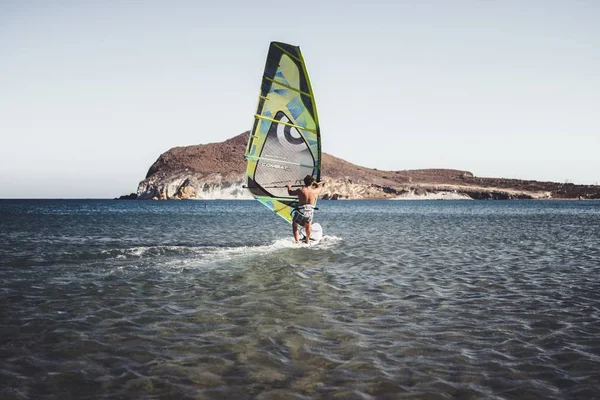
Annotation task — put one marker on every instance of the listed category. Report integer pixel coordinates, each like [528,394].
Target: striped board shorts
[303,214]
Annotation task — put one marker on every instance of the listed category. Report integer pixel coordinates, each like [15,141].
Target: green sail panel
[285,142]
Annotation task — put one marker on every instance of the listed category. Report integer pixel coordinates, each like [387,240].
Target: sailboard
[285,141]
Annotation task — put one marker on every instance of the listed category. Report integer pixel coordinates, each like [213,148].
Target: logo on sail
[276,166]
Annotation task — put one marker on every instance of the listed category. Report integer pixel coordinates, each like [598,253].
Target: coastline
[433,196]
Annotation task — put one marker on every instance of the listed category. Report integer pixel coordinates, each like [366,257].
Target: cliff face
[216,171]
[213,171]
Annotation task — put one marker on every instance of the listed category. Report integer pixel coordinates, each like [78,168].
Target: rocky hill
[216,171]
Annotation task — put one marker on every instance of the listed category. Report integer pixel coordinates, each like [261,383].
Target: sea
[104,299]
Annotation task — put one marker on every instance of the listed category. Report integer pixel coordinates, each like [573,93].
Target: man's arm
[292,192]
[317,186]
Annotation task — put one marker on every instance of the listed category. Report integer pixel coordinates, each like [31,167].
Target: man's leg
[308,229]
[295,230]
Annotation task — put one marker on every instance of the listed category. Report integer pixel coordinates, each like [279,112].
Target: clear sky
[92,92]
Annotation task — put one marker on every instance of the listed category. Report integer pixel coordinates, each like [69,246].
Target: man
[307,196]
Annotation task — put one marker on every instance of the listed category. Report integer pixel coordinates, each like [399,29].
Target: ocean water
[212,300]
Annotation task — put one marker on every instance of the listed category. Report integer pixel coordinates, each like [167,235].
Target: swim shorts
[303,214]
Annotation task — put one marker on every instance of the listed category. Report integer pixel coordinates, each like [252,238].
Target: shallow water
[431,299]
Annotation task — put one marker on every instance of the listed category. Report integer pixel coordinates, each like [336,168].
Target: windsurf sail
[285,142]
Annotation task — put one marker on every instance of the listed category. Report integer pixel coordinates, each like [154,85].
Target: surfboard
[316,234]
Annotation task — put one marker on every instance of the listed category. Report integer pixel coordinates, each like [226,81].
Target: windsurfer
[307,196]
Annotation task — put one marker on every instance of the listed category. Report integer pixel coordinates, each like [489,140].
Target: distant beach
[433,196]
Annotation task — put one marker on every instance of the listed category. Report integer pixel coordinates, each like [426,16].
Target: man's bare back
[308,194]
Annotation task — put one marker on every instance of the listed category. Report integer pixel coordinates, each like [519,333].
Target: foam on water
[178,256]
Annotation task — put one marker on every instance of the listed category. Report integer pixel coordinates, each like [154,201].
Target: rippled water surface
[424,300]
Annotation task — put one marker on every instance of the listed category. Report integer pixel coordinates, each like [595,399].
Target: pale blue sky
[92,92]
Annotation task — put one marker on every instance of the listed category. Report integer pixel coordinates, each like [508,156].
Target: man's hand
[289,187]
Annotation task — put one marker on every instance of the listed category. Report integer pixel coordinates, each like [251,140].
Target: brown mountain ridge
[217,170]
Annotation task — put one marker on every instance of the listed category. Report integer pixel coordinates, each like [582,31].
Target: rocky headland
[217,171]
